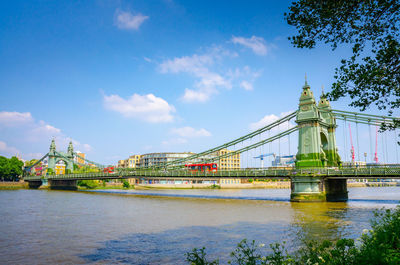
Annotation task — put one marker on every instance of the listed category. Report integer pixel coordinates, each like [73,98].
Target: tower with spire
[55,156]
[316,146]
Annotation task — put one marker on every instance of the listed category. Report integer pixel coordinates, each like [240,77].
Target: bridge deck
[331,173]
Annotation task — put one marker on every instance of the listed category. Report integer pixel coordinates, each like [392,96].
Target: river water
[159,227]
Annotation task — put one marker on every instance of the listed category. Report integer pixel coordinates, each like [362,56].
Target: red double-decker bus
[109,170]
[211,167]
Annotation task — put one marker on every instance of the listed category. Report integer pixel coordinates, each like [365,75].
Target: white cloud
[126,20]
[189,132]
[22,127]
[175,141]
[8,150]
[87,147]
[268,119]
[246,85]
[147,59]
[208,81]
[147,107]
[10,119]
[191,95]
[47,129]
[257,44]
[209,72]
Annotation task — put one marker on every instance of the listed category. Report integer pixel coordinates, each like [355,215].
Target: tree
[15,168]
[30,162]
[4,168]
[10,169]
[372,28]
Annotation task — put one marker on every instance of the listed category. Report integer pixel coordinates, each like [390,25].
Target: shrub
[380,245]
[89,184]
[198,257]
[125,184]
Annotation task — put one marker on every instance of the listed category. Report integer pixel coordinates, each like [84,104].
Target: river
[159,226]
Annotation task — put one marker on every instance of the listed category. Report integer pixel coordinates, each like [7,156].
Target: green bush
[88,184]
[125,184]
[378,246]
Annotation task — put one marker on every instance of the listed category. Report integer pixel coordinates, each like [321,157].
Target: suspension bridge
[318,174]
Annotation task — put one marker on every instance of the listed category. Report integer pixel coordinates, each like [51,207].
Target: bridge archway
[324,141]
[68,164]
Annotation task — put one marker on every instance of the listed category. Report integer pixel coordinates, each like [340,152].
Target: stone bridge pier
[34,184]
[62,184]
[317,189]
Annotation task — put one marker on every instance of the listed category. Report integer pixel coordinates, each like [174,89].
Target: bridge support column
[34,184]
[316,189]
[307,189]
[62,184]
[336,190]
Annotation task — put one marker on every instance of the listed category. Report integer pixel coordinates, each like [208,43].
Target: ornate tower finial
[323,93]
[305,79]
[53,145]
[70,147]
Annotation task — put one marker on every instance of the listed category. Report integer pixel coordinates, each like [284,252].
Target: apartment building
[229,162]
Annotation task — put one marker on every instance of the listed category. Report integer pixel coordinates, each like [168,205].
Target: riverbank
[10,185]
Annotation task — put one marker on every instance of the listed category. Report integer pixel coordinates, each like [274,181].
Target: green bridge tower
[316,148]
[55,157]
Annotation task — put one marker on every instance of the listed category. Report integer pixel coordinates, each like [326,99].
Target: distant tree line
[10,168]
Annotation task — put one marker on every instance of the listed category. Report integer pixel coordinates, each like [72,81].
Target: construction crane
[352,147]
[261,157]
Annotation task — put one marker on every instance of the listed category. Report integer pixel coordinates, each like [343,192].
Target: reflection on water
[158,227]
[169,247]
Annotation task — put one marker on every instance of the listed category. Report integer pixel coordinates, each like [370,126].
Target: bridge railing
[391,170]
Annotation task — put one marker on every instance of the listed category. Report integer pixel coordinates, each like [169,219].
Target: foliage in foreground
[380,245]
[372,29]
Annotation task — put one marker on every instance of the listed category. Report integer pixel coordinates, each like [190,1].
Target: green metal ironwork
[229,144]
[382,172]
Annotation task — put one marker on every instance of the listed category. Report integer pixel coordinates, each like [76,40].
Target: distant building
[91,165]
[80,158]
[230,162]
[60,168]
[356,164]
[134,161]
[123,163]
[156,159]
[284,161]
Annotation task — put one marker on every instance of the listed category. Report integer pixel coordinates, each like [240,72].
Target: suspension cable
[386,149]
[228,144]
[358,143]
[252,146]
[370,141]
[345,139]
[396,146]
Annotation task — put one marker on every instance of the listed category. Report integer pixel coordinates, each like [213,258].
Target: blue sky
[131,77]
